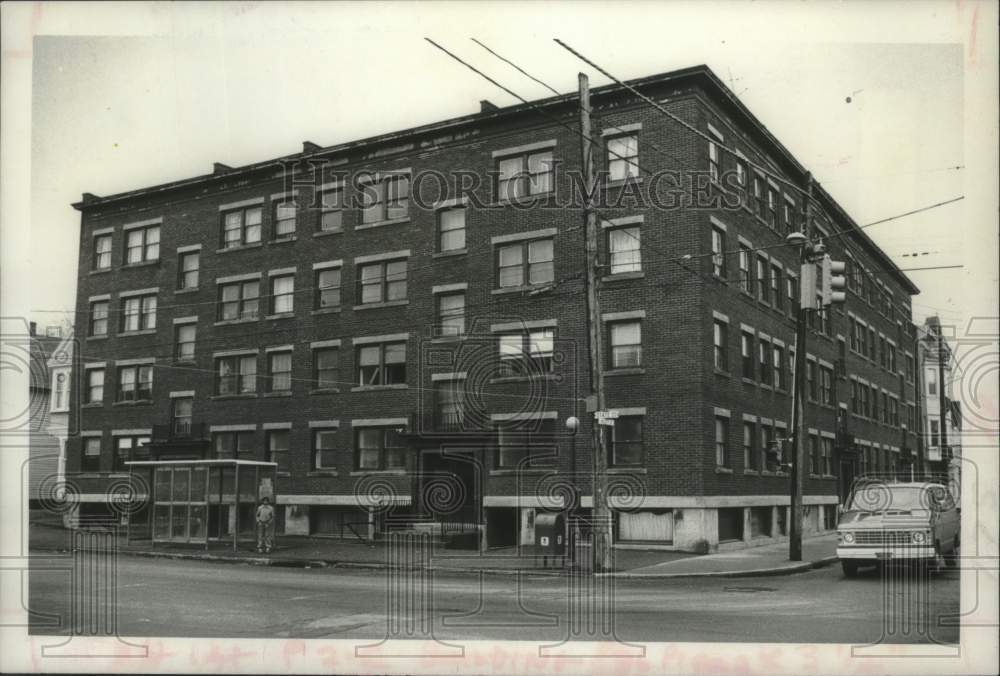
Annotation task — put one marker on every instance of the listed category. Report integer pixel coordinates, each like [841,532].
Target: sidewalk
[306,552]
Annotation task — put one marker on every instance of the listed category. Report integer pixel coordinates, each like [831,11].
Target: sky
[160,92]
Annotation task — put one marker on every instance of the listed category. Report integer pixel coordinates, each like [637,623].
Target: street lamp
[572,426]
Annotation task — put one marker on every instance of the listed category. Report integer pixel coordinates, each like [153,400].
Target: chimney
[32,328]
[487,106]
[310,147]
[220,168]
[89,197]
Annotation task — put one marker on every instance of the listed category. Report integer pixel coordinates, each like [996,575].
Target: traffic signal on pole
[834,281]
[807,286]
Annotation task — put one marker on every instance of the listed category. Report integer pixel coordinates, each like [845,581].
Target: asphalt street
[198,599]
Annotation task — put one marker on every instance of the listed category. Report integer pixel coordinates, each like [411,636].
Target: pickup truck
[886,521]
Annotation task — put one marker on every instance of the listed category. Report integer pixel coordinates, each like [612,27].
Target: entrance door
[848,470]
[449,487]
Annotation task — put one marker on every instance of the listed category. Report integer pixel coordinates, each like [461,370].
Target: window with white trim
[241,227]
[102,252]
[382,364]
[142,245]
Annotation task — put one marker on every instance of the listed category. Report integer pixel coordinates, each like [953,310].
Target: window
[240,300]
[527,353]
[910,368]
[718,253]
[142,245]
[813,454]
[764,361]
[721,441]
[135,383]
[182,413]
[791,285]
[188,264]
[871,344]
[890,358]
[932,387]
[763,285]
[525,263]
[788,215]
[129,448]
[448,409]
[95,386]
[138,313]
[626,344]
[324,449]
[331,214]
[451,229]
[624,250]
[59,392]
[778,367]
[233,445]
[749,450]
[758,195]
[99,318]
[184,340]
[776,287]
[626,441]
[241,227]
[382,282]
[327,288]
[382,364]
[451,314]
[521,175]
[385,199]
[826,451]
[746,354]
[812,388]
[326,368]
[935,433]
[379,448]
[772,207]
[102,252]
[713,161]
[826,385]
[284,220]
[623,157]
[236,375]
[282,294]
[277,448]
[746,276]
[279,371]
[766,442]
[524,443]
[741,180]
[719,342]
[91,460]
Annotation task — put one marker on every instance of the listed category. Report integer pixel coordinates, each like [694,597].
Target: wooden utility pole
[601,516]
[943,403]
[798,396]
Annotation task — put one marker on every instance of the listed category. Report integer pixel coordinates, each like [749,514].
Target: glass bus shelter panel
[180,509]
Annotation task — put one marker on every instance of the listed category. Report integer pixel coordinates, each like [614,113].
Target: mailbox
[550,534]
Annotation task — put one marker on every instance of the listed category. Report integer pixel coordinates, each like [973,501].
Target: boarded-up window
[652,526]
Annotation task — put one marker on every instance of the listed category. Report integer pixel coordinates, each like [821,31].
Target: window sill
[104,337]
[829,476]
[322,473]
[143,332]
[143,264]
[327,233]
[283,473]
[379,224]
[383,472]
[374,388]
[448,254]
[93,404]
[178,292]
[283,240]
[280,315]
[625,469]
[723,374]
[526,379]
[138,402]
[623,276]
[241,247]
[723,470]
[525,200]
[749,381]
[227,322]
[449,339]
[276,394]
[325,390]
[326,311]
[520,289]
[765,387]
[618,183]
[514,471]
[624,372]
[245,395]
[377,306]
[100,271]
[185,362]
[751,472]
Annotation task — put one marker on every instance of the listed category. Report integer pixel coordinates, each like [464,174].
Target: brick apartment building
[402,347]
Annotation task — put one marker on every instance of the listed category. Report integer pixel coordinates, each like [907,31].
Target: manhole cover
[749,590]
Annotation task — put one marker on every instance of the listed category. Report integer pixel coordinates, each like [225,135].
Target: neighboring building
[942,441]
[429,346]
[51,362]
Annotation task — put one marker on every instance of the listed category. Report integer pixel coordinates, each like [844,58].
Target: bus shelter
[202,501]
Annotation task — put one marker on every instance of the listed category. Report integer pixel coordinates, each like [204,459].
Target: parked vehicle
[885,521]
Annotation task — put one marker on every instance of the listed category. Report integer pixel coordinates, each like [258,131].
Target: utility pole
[601,517]
[943,403]
[807,290]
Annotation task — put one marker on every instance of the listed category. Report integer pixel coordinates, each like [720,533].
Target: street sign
[610,414]
[606,421]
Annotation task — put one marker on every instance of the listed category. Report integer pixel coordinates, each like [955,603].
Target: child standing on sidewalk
[265,525]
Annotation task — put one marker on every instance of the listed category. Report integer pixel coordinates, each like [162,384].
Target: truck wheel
[850,568]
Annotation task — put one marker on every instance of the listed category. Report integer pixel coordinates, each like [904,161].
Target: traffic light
[834,281]
[807,286]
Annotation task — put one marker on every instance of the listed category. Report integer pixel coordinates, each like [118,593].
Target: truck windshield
[883,497]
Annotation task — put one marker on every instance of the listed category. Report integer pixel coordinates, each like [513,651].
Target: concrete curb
[554,572]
